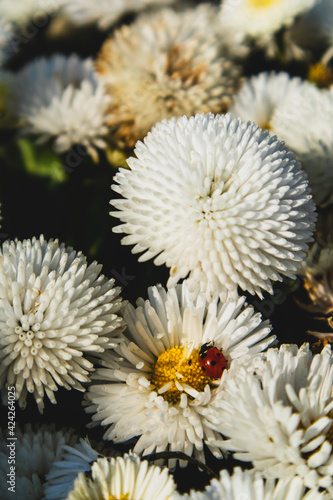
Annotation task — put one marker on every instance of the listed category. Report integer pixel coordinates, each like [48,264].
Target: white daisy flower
[279,417]
[218,200]
[155,386]
[34,451]
[164,65]
[105,13]
[312,143]
[61,97]
[25,11]
[260,96]
[259,20]
[250,485]
[124,478]
[54,310]
[59,481]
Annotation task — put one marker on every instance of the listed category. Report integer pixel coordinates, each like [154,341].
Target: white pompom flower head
[279,416]
[54,310]
[216,200]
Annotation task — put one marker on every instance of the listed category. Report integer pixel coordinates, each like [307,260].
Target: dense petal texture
[59,481]
[279,417]
[54,310]
[124,478]
[216,199]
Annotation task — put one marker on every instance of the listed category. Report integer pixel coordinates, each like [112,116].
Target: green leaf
[41,161]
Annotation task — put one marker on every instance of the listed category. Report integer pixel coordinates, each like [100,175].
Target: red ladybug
[212,360]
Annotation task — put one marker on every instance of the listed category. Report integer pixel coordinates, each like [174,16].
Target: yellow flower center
[320,75]
[174,372]
[261,4]
[265,126]
[122,497]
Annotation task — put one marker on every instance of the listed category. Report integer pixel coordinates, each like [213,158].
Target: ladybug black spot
[213,363]
[217,354]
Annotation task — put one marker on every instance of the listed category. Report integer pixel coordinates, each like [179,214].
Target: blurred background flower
[61,98]
[218,201]
[165,64]
[36,448]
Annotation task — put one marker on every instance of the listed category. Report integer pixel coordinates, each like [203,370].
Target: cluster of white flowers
[220,184]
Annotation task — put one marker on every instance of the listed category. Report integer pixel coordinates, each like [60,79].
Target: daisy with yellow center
[153,384]
[267,16]
[261,4]
[124,478]
[259,20]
